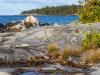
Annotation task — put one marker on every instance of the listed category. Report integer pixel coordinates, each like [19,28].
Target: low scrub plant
[91,41]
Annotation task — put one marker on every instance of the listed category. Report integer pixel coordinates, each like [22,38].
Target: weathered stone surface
[18,45]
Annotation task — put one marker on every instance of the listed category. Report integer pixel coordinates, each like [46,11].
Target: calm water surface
[43,19]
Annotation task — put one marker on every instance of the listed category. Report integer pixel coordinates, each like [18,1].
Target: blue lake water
[42,19]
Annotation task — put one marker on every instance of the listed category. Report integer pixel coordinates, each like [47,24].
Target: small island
[53,10]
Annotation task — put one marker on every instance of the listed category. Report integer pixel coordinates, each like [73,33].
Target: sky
[15,7]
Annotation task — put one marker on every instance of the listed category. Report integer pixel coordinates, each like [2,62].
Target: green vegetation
[90,11]
[54,10]
[91,41]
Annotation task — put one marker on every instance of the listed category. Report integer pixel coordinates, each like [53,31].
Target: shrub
[91,40]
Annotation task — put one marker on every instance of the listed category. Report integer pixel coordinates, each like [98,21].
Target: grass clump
[53,50]
[91,57]
[76,52]
[65,54]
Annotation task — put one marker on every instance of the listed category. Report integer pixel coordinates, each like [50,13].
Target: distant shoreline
[53,10]
[39,15]
[48,15]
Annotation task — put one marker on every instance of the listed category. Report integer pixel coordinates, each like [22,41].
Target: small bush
[91,41]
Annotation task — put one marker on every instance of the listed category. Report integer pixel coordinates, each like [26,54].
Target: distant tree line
[54,10]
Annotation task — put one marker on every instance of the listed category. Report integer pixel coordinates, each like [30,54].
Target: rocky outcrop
[34,41]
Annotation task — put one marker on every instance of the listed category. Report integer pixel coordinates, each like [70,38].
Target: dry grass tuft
[53,51]
[65,54]
[52,48]
[91,57]
[76,52]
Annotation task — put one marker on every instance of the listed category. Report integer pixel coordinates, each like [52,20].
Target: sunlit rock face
[31,19]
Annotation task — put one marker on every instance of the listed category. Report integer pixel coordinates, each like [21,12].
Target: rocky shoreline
[17,46]
[34,41]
